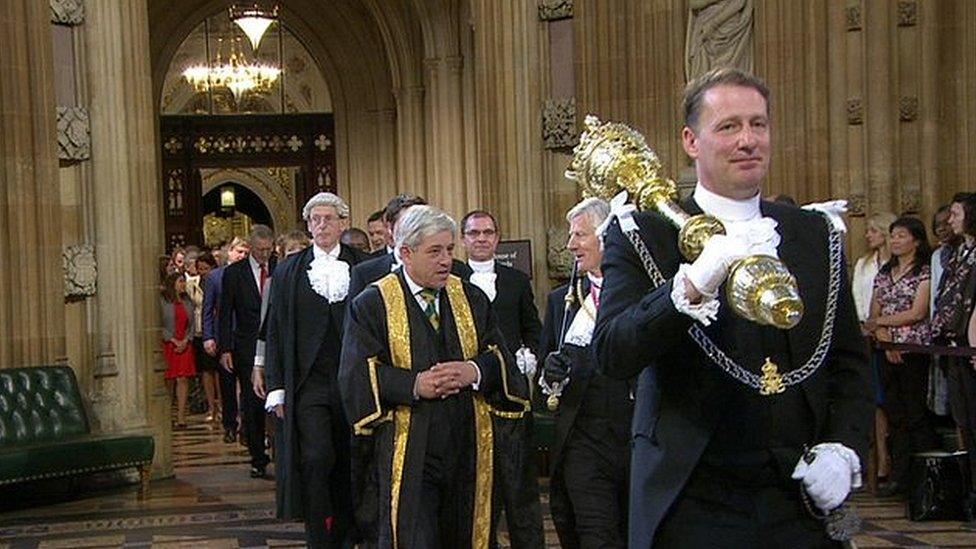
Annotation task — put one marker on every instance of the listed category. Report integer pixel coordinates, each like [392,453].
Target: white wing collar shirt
[483,276]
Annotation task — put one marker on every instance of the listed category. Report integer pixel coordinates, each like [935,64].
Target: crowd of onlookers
[907,293]
[190,287]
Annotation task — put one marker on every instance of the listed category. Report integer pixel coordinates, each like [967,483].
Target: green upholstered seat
[44,431]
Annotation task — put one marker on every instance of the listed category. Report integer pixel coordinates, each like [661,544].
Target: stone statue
[719,35]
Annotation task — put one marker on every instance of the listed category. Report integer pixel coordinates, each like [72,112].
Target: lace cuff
[705,312]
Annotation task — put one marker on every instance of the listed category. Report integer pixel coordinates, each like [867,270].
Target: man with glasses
[304,340]
[510,293]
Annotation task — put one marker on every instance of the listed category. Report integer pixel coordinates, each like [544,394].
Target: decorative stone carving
[67,12]
[74,134]
[853,17]
[907,14]
[911,200]
[908,109]
[551,10]
[856,203]
[559,258]
[559,123]
[719,35]
[855,111]
[80,271]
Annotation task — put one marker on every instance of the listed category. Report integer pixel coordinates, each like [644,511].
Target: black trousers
[228,399]
[516,483]
[596,477]
[906,389]
[962,403]
[323,446]
[713,511]
[252,411]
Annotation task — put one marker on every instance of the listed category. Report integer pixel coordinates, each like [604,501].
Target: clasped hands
[445,379]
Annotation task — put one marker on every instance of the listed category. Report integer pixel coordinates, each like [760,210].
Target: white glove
[275,398]
[834,472]
[526,361]
[709,271]
[834,210]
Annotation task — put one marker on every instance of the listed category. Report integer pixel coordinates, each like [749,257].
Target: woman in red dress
[176,310]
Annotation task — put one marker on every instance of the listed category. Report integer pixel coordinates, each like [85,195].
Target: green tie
[430,298]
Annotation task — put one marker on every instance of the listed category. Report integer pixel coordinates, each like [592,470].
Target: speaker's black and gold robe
[388,341]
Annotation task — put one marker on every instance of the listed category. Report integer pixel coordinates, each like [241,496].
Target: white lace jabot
[329,275]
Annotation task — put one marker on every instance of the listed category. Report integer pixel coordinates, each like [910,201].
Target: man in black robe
[304,336]
[714,458]
[422,365]
[510,293]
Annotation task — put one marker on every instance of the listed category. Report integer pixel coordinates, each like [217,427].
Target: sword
[555,390]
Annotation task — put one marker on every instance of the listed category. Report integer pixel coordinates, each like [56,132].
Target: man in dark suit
[590,452]
[304,337]
[236,251]
[376,229]
[713,458]
[244,284]
[510,293]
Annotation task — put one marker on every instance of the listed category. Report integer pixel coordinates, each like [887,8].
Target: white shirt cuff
[477,382]
[274,398]
[704,311]
[259,353]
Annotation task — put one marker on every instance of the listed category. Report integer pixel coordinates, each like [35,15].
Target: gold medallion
[771,382]
[552,402]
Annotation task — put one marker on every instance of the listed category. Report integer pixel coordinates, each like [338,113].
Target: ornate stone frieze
[852,14]
[80,271]
[908,109]
[560,259]
[551,10]
[67,12]
[855,111]
[907,13]
[911,200]
[74,134]
[559,123]
[856,203]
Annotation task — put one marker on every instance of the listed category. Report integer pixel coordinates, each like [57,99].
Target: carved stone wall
[74,134]
[559,124]
[80,271]
[67,12]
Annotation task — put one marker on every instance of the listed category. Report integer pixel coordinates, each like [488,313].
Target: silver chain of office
[729,366]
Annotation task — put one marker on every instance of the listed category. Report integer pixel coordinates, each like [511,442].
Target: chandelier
[253,20]
[238,74]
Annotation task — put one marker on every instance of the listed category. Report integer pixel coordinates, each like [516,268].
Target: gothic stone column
[32,315]
[128,390]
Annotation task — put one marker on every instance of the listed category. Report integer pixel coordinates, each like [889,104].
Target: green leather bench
[44,431]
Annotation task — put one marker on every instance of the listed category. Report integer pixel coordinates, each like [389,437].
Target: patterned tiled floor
[212,503]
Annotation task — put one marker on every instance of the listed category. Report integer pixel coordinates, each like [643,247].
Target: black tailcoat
[300,325]
[574,397]
[682,394]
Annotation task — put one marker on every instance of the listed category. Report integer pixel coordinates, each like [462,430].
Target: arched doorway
[230,210]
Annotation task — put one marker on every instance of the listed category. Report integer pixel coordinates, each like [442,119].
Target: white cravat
[484,276]
[742,219]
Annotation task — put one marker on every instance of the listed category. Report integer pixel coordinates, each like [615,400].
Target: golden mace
[612,157]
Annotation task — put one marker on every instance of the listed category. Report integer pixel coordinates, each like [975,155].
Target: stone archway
[275,186]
